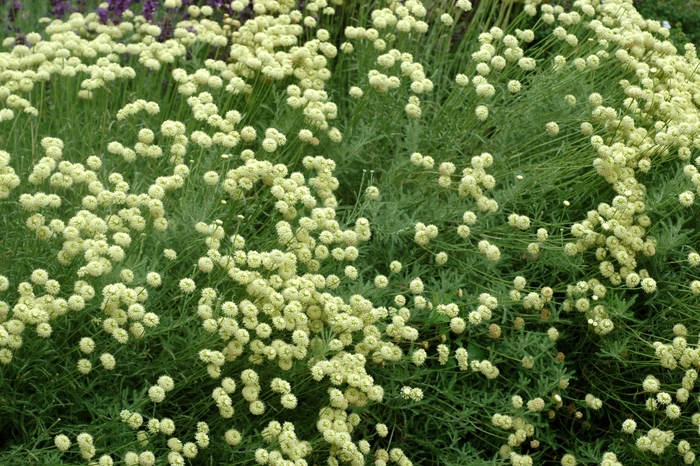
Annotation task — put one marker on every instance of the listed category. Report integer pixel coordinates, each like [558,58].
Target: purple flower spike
[149,8]
[117,8]
[59,7]
[102,14]
[12,13]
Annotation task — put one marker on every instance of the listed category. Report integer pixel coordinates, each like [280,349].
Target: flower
[481,112]
[166,383]
[62,442]
[150,319]
[40,276]
[166,426]
[257,408]
[416,286]
[174,444]
[232,437]
[153,279]
[651,384]
[351,272]
[156,394]
[289,401]
[415,394]
[382,430]
[458,325]
[517,401]
[131,458]
[84,366]
[202,439]
[443,353]
[629,426]
[372,193]
[84,440]
[261,456]
[475,317]
[108,361]
[413,110]
[695,286]
[187,285]
[593,402]
[686,198]
[133,420]
[694,259]
[648,285]
[535,405]
[673,411]
[419,356]
[355,92]
[485,90]
[306,135]
[190,450]
[446,19]
[527,64]
[147,458]
[462,80]
[87,345]
[381,282]
[269,145]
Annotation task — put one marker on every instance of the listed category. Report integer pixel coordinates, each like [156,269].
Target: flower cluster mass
[346,232]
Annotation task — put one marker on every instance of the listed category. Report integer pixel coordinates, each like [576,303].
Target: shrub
[348,233]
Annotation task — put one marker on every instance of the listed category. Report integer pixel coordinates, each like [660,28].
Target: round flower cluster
[486,368]
[492,253]
[130,109]
[521,222]
[522,430]
[593,402]
[419,356]
[655,440]
[415,394]
[424,233]
[8,179]
[475,180]
[610,459]
[87,448]
[552,128]
[504,422]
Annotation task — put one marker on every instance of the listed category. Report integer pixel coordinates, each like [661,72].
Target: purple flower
[114,11]
[117,8]
[12,13]
[59,7]
[166,27]
[221,5]
[149,8]
[103,15]
[21,39]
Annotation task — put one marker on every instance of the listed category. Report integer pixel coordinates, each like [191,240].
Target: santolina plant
[347,232]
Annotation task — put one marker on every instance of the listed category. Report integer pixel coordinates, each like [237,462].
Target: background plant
[683,17]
